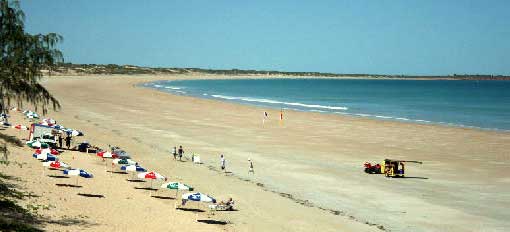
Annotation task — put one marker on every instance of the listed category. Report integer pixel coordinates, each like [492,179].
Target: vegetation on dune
[24,56]
[108,69]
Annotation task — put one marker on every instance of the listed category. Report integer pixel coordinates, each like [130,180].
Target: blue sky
[419,37]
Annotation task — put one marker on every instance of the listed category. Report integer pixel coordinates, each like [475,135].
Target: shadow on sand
[214,222]
[58,176]
[416,177]
[146,188]
[118,172]
[135,180]
[191,210]
[164,198]
[69,185]
[91,195]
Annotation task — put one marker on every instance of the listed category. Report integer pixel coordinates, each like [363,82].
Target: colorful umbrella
[124,161]
[106,154]
[20,127]
[198,197]
[55,164]
[45,157]
[30,114]
[133,168]
[78,172]
[47,150]
[151,176]
[36,144]
[177,186]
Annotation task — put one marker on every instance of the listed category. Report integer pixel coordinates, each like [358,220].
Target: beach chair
[222,207]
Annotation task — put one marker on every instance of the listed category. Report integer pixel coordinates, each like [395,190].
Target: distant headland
[109,69]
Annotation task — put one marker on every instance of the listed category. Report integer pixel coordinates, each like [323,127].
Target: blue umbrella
[198,197]
[85,174]
[45,157]
[78,172]
[133,168]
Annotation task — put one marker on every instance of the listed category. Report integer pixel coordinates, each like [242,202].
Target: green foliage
[101,69]
[23,57]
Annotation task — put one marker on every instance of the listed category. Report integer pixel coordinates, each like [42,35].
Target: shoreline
[289,159]
[354,115]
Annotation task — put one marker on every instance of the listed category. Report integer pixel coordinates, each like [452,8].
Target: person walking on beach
[281,117]
[222,163]
[181,151]
[265,117]
[175,153]
[251,167]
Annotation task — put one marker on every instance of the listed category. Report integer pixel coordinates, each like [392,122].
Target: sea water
[463,103]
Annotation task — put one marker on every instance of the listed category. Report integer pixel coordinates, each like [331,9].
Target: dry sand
[308,171]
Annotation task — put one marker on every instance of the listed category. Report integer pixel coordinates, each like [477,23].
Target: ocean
[460,103]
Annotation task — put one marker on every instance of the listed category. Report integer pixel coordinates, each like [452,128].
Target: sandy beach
[308,170]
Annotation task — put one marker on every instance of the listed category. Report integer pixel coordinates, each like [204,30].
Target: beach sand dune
[309,173]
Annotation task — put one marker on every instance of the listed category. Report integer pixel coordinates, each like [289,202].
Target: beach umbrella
[20,127]
[133,168]
[124,161]
[55,164]
[106,154]
[47,150]
[177,186]
[77,172]
[30,114]
[151,176]
[74,132]
[58,164]
[36,144]
[198,197]
[45,157]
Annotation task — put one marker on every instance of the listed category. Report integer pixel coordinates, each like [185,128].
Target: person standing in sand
[68,141]
[251,167]
[60,141]
[222,163]
[175,153]
[181,151]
